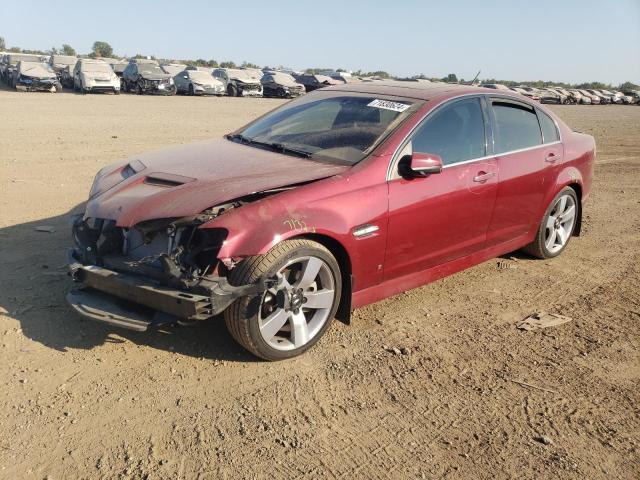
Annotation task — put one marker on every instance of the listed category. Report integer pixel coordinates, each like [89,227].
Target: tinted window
[516,127]
[549,130]
[456,133]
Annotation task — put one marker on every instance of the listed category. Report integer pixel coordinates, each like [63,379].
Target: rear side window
[516,127]
[549,130]
[455,133]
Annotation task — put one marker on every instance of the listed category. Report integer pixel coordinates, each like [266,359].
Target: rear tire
[276,325]
[192,92]
[557,225]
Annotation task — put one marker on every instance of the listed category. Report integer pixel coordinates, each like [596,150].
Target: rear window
[548,126]
[516,127]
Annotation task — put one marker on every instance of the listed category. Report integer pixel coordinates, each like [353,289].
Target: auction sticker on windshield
[388,105]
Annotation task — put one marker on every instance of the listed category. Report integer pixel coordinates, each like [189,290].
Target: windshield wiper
[276,147]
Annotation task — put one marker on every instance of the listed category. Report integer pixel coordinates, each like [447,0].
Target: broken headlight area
[167,267]
[172,250]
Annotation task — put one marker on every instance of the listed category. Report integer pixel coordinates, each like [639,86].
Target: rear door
[526,162]
[436,219]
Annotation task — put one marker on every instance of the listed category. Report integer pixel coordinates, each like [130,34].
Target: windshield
[341,128]
[199,76]
[13,59]
[173,69]
[150,68]
[63,60]
[95,67]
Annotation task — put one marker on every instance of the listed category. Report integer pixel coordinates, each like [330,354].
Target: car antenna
[472,82]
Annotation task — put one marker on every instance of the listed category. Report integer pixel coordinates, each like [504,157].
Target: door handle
[552,157]
[483,176]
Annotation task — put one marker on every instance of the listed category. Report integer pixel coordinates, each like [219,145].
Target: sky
[562,40]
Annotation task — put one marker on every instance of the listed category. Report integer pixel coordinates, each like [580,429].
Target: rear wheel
[557,226]
[191,90]
[286,321]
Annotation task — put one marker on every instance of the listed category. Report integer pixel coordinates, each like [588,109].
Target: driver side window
[455,132]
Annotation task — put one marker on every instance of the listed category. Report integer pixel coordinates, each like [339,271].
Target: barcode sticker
[388,105]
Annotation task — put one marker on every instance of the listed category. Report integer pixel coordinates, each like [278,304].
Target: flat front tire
[557,225]
[286,321]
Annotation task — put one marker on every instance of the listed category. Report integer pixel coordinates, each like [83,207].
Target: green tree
[249,65]
[68,50]
[101,49]
[3,46]
[628,86]
[451,78]
[228,64]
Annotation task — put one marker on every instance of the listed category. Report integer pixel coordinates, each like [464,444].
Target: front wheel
[232,91]
[557,226]
[286,321]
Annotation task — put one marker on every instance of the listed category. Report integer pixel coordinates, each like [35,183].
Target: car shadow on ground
[34,282]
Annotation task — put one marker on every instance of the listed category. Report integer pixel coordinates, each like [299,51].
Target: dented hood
[186,180]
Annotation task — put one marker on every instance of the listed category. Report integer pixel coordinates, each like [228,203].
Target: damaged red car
[335,200]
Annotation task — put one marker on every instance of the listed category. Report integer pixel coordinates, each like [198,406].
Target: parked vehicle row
[145,76]
[562,96]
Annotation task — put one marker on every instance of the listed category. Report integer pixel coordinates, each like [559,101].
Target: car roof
[417,90]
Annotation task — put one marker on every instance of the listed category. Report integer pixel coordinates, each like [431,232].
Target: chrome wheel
[560,223]
[294,314]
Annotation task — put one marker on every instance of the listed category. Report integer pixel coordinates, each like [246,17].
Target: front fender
[332,208]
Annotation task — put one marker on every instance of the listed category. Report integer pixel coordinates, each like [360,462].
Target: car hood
[155,76]
[186,180]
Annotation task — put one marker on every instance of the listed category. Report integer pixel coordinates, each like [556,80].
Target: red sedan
[335,200]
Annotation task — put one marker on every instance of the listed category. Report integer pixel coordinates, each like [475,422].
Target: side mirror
[420,165]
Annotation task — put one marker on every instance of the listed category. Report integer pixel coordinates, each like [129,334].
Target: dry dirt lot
[80,400]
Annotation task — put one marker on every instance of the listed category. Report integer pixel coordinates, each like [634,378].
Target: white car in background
[197,82]
[91,75]
[238,83]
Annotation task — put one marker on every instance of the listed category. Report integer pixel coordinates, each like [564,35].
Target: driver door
[441,217]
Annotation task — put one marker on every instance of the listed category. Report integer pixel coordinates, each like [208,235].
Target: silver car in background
[91,75]
[197,82]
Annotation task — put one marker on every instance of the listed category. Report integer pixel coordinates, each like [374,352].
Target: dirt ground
[473,397]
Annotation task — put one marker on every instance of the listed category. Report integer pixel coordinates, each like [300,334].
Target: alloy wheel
[292,315]
[560,223]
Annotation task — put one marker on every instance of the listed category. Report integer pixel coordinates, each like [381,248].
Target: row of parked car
[569,96]
[143,76]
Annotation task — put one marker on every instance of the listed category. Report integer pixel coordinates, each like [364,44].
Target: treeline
[103,49]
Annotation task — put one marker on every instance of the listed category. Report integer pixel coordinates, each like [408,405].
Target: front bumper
[136,302]
[250,92]
[157,88]
[208,91]
[37,86]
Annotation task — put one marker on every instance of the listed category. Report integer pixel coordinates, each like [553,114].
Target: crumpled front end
[157,86]
[160,271]
[26,83]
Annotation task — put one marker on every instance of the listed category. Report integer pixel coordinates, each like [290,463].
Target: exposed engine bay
[169,265]
[172,250]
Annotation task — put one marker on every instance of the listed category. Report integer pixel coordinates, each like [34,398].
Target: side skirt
[402,284]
